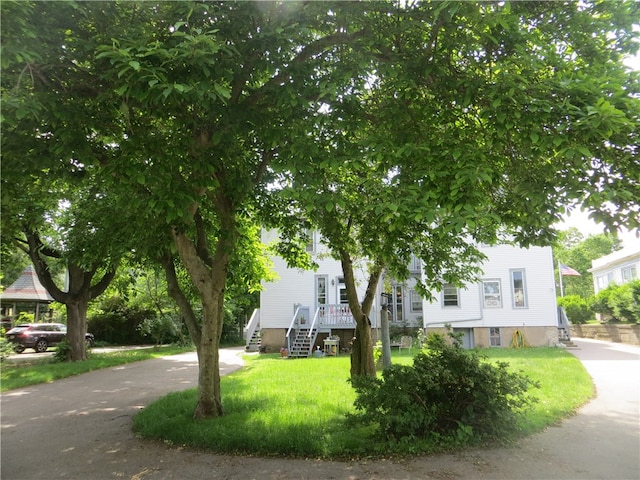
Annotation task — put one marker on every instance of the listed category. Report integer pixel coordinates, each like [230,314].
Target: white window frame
[319,280]
[416,301]
[495,337]
[310,247]
[514,291]
[628,273]
[493,298]
[445,295]
[342,292]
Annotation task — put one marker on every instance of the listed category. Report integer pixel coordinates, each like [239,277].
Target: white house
[515,299]
[617,267]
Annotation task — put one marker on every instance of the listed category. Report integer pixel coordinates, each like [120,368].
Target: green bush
[620,302]
[625,302]
[449,394]
[577,308]
[162,329]
[116,323]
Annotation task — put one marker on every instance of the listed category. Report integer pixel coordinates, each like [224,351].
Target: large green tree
[484,114]
[574,250]
[476,122]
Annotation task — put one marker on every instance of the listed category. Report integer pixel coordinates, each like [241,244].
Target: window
[492,294]
[450,295]
[416,301]
[321,290]
[415,264]
[397,311]
[342,291]
[602,282]
[310,244]
[518,289]
[629,273]
[494,337]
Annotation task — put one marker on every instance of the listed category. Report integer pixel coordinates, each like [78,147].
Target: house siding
[608,269]
[297,287]
[502,260]
[537,319]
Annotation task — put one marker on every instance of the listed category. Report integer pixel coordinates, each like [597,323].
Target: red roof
[26,288]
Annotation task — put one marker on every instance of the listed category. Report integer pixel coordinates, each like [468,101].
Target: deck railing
[335,316]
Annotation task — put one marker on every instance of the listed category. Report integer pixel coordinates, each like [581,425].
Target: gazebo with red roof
[26,294]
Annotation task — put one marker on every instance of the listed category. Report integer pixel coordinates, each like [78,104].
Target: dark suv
[39,336]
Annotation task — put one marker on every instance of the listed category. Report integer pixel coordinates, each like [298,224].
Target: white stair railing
[252,326]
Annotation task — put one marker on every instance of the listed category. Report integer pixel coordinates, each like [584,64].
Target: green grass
[298,407]
[23,374]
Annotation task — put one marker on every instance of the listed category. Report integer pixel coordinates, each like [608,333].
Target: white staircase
[301,345]
[255,342]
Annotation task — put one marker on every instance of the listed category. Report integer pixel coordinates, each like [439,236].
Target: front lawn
[279,407]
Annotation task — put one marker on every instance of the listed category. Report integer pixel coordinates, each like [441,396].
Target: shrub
[621,302]
[118,324]
[577,308]
[448,395]
[625,302]
[162,329]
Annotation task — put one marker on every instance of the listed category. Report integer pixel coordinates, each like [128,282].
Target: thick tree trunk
[76,329]
[209,276]
[209,394]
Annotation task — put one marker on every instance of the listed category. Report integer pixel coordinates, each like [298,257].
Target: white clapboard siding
[295,286]
[540,310]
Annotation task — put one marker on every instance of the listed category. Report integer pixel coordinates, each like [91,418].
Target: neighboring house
[617,267]
[515,298]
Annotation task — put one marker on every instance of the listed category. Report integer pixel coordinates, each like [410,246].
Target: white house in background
[514,300]
[617,267]
[515,297]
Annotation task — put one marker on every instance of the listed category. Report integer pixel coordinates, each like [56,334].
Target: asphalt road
[80,428]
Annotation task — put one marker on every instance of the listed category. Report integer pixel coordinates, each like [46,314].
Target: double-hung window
[492,293]
[450,295]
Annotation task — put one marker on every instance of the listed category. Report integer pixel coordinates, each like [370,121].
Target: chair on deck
[405,342]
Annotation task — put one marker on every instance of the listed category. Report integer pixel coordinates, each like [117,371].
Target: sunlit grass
[22,374]
[298,407]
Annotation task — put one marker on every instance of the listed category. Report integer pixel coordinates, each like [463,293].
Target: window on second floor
[518,288]
[416,301]
[492,293]
[310,247]
[450,295]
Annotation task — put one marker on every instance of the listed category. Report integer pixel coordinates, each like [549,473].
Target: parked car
[40,336]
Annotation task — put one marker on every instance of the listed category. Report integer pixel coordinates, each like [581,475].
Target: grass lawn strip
[278,407]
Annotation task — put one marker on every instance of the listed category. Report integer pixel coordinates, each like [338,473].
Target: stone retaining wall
[612,333]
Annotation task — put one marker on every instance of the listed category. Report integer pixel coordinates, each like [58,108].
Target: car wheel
[41,346]
[89,342]
[18,348]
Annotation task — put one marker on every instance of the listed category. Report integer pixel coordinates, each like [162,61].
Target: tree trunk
[209,275]
[76,329]
[209,394]
[362,362]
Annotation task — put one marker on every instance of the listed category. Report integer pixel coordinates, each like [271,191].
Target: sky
[581,221]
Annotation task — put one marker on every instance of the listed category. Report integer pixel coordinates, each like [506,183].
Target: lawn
[20,374]
[280,407]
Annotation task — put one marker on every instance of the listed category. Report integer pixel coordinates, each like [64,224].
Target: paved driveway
[80,428]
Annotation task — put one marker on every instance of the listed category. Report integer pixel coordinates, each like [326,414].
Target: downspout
[479,319]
